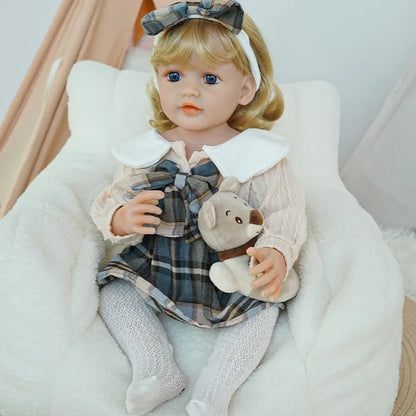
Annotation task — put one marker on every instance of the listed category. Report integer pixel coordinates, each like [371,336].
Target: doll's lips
[190,109]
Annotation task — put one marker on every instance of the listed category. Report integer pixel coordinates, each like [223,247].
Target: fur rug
[402,242]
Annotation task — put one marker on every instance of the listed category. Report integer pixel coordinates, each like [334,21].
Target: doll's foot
[200,408]
[144,395]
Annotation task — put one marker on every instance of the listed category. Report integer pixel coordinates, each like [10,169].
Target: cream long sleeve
[108,201]
[278,195]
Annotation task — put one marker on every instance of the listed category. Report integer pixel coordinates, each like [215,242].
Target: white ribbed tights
[156,377]
[139,333]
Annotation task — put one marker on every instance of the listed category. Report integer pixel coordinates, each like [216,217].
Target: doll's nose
[190,90]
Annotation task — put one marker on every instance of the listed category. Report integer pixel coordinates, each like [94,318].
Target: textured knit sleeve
[108,201]
[280,198]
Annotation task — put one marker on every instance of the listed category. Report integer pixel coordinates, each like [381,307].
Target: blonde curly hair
[178,43]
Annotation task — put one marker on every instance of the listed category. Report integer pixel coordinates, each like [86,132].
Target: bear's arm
[223,278]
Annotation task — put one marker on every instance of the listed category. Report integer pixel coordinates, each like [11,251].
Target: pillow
[312,111]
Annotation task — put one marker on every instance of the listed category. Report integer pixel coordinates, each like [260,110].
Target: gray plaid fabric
[172,272]
[229,13]
[184,194]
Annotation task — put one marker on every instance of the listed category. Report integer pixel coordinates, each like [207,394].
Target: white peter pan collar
[247,154]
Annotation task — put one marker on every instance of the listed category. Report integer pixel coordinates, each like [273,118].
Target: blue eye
[211,79]
[174,76]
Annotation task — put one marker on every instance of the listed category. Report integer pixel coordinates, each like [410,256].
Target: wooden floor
[406,397]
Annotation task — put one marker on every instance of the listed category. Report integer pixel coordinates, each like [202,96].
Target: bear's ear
[208,215]
[229,184]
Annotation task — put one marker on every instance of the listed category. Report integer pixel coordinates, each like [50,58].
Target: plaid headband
[227,12]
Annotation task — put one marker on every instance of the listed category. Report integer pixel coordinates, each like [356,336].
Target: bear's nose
[255,217]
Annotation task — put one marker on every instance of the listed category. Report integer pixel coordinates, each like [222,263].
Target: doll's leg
[237,352]
[141,336]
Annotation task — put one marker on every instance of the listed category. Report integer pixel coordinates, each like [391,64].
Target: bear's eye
[238,220]
[226,212]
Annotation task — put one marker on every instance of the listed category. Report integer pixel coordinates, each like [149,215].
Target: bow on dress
[184,195]
[228,13]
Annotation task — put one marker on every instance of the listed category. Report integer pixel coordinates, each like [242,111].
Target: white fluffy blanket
[336,349]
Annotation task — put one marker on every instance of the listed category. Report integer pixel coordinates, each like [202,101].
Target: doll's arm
[283,208]
[108,202]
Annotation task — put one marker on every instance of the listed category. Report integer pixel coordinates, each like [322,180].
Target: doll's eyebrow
[227,211]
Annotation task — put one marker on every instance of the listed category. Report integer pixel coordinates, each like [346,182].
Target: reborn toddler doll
[214,100]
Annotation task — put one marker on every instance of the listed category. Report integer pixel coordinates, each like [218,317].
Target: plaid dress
[170,269]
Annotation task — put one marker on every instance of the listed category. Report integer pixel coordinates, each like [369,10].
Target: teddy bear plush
[230,226]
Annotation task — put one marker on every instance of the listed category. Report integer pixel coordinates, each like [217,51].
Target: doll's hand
[270,264]
[131,217]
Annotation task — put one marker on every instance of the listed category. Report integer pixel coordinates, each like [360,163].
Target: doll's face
[199,97]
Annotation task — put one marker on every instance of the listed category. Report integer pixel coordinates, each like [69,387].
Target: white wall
[23,25]
[361,46]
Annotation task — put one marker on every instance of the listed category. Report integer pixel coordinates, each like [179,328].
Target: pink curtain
[35,127]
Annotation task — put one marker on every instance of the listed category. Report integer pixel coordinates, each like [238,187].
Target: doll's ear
[248,90]
[208,215]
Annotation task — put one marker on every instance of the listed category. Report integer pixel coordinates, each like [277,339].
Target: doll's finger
[152,209]
[139,222]
[274,295]
[277,292]
[146,208]
[273,289]
[263,279]
[146,219]
[146,225]
[144,230]
[153,201]
[145,196]
[153,194]
[254,252]
[257,269]
[261,267]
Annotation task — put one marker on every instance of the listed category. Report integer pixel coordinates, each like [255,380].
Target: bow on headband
[184,194]
[228,13]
